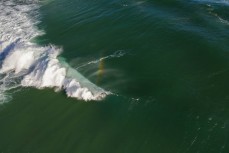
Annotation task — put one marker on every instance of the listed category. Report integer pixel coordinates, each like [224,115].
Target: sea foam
[26,64]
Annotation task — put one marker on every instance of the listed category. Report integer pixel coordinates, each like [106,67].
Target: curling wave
[23,63]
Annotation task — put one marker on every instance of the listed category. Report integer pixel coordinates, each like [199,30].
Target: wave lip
[29,65]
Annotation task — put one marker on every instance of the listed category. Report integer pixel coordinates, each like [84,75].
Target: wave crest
[24,63]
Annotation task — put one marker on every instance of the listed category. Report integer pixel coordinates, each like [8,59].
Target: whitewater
[23,63]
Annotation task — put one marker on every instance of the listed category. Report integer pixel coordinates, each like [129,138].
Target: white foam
[26,64]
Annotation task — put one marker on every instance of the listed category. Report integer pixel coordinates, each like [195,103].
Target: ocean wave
[219,2]
[26,64]
[116,54]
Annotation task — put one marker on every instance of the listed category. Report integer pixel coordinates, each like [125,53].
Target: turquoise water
[165,63]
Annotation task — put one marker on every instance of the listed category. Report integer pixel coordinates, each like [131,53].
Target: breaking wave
[26,64]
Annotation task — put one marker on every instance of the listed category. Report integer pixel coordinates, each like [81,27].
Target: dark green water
[171,84]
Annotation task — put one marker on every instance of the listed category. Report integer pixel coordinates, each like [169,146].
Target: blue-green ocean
[114,76]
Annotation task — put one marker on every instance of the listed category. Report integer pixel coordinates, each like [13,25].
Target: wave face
[26,64]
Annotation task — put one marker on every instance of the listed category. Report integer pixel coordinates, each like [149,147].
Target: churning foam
[23,63]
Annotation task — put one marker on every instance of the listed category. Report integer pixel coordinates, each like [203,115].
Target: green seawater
[170,83]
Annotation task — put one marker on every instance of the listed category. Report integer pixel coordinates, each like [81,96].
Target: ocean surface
[114,76]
